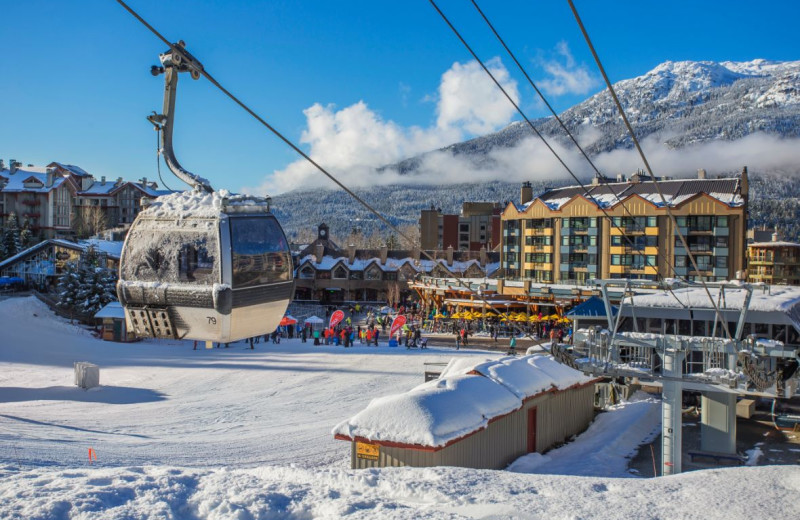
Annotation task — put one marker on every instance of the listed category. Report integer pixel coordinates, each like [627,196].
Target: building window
[340,273]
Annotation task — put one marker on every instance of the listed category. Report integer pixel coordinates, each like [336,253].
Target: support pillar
[671,418]
[718,422]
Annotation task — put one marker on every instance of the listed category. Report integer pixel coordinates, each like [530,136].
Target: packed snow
[245,434]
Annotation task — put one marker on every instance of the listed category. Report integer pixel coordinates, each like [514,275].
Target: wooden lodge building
[330,274]
[481,416]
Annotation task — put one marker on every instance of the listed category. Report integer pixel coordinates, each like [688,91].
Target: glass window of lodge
[373,274]
[340,273]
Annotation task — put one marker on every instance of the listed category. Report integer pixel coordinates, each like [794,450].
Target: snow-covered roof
[676,191]
[16,182]
[465,398]
[776,243]
[776,304]
[100,188]
[112,248]
[77,170]
[111,310]
[392,264]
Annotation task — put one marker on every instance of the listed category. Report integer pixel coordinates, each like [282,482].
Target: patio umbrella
[288,320]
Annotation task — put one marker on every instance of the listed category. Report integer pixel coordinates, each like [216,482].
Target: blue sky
[374,80]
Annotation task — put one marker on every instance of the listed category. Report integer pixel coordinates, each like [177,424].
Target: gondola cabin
[205,266]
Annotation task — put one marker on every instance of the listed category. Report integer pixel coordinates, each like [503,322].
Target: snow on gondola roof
[185,204]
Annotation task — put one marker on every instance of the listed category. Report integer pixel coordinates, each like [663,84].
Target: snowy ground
[246,434]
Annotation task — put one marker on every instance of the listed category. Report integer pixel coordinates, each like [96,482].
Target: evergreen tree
[25,236]
[86,288]
[97,288]
[68,286]
[11,241]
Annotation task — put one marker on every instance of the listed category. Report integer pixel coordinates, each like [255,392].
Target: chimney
[86,182]
[103,180]
[351,253]
[50,177]
[12,166]
[416,253]
[620,177]
[449,256]
[2,165]
[384,254]
[119,181]
[484,256]
[319,251]
[526,193]
[144,182]
[701,173]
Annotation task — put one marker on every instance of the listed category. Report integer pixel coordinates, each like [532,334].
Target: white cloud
[760,152]
[469,99]
[566,76]
[352,142]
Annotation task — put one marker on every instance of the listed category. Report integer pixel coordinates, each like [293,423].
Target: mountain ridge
[679,104]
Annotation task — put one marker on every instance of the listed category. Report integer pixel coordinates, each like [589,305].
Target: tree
[89,221]
[87,287]
[26,236]
[11,239]
[68,286]
[392,243]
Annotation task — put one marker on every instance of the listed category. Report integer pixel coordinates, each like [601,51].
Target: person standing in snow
[512,345]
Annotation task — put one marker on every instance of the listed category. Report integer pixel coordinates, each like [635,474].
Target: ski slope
[246,434]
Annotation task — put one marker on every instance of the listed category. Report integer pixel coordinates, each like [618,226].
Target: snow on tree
[68,285]
[87,287]
[25,236]
[11,238]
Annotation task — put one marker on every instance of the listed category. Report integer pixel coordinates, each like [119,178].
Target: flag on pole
[336,318]
[398,322]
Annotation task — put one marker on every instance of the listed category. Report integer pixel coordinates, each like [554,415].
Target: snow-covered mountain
[679,104]
[684,102]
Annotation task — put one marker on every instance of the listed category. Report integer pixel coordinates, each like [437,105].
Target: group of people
[343,334]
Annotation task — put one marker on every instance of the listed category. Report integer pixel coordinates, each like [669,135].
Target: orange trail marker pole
[92,454]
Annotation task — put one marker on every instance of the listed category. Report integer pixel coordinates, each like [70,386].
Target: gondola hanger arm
[174,61]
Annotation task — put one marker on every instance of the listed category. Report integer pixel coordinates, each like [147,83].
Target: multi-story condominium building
[57,199]
[39,197]
[774,263]
[563,235]
[477,226]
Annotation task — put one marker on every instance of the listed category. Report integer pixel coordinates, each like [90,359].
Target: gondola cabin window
[167,251]
[260,253]
[195,263]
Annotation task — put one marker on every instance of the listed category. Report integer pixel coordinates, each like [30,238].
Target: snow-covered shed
[114,326]
[482,415]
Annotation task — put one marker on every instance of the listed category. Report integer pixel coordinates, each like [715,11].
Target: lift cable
[647,165]
[536,131]
[305,156]
[585,155]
